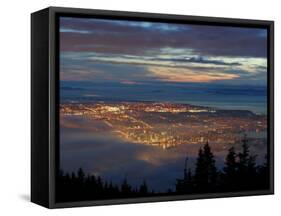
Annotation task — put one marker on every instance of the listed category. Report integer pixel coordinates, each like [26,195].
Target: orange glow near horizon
[186,75]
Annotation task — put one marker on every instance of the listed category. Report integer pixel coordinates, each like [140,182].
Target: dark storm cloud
[131,37]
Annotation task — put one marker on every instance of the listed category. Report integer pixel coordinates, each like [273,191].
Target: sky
[135,52]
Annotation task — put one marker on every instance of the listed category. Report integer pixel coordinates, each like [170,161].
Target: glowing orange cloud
[186,75]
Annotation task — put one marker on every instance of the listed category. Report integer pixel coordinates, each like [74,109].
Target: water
[253,98]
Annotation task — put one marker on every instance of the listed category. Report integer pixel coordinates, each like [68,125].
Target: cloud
[103,154]
[135,69]
[133,37]
[162,61]
[187,75]
[203,60]
[108,50]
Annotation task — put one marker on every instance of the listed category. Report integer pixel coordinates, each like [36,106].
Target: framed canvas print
[139,107]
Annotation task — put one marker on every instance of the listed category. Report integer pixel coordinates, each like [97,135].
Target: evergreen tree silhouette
[200,170]
[126,189]
[79,186]
[81,175]
[244,155]
[185,185]
[230,170]
[247,170]
[143,188]
[205,171]
[263,172]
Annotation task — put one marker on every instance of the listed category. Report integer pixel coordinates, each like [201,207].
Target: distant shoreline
[221,110]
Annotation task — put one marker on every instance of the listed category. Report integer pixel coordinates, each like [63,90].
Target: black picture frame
[45,100]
